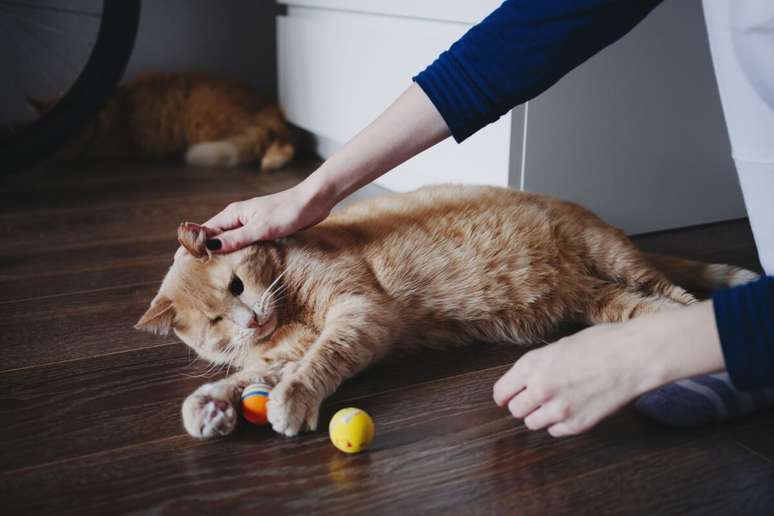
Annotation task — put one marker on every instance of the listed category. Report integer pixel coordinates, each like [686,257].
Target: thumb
[232,240]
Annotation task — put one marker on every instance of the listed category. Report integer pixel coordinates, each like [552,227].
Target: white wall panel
[636,133]
[338,70]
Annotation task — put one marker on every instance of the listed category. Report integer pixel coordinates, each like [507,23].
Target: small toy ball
[351,430]
[254,398]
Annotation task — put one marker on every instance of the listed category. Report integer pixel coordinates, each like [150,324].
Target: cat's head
[221,305]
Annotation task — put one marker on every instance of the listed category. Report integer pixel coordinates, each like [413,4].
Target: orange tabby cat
[212,121]
[438,267]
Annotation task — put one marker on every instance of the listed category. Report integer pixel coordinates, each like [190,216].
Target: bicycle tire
[94,85]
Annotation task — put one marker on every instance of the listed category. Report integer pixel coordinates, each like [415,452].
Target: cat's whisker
[268,290]
[281,297]
[203,374]
[275,303]
[212,371]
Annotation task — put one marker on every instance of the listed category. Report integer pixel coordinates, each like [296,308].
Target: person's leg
[757,181]
[741,34]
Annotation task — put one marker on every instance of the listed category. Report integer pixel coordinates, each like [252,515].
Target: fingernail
[214,244]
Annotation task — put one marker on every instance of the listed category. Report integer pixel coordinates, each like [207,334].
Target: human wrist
[638,353]
[677,344]
[339,176]
[318,192]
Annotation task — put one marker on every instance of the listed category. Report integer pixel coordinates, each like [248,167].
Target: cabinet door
[637,134]
[339,69]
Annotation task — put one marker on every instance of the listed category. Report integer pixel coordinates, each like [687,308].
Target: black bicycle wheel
[97,80]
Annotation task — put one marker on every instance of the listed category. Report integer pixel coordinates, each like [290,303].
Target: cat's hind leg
[614,258]
[242,148]
[615,302]
[279,149]
[277,155]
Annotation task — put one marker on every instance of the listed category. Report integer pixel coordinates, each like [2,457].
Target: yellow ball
[254,399]
[351,430]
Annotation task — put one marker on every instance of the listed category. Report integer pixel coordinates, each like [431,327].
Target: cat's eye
[236,286]
[216,320]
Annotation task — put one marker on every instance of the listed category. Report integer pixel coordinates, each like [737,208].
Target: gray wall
[637,133]
[40,52]
[230,37]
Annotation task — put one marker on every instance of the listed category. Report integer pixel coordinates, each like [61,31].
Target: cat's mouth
[265,328]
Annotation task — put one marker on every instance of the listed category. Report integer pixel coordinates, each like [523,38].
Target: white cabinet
[636,133]
[340,67]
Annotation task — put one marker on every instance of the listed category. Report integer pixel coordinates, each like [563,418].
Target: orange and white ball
[254,399]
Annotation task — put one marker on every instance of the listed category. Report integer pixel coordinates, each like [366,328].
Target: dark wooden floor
[90,407]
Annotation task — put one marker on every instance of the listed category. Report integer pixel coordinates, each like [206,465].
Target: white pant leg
[741,35]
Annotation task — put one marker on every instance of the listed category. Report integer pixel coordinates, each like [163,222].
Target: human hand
[266,218]
[570,385]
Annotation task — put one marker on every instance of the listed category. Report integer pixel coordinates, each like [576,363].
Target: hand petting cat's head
[221,305]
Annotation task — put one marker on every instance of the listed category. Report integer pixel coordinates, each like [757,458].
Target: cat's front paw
[209,412]
[293,407]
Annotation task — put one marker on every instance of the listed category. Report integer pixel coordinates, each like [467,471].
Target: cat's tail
[691,274]
[267,139]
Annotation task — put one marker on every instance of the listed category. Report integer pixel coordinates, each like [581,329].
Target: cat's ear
[159,317]
[194,238]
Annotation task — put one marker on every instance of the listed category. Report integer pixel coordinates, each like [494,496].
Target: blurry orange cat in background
[211,121]
[439,267]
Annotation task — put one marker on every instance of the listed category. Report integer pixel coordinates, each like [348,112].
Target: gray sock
[701,400]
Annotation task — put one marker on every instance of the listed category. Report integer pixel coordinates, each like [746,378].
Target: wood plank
[77,218]
[63,272]
[26,197]
[708,476]
[441,446]
[123,399]
[92,405]
[57,172]
[100,431]
[53,329]
[759,438]
[725,242]
[88,228]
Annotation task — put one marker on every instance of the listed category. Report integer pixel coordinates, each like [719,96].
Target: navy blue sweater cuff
[745,319]
[463,106]
[519,51]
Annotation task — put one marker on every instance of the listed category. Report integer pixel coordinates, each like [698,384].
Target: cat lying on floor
[209,120]
[438,267]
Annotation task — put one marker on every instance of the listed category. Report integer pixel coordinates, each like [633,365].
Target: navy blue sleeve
[745,319]
[519,51]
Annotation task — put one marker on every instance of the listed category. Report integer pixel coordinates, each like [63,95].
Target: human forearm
[406,128]
[676,344]
[409,126]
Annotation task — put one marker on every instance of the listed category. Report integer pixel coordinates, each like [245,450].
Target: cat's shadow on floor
[431,364]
